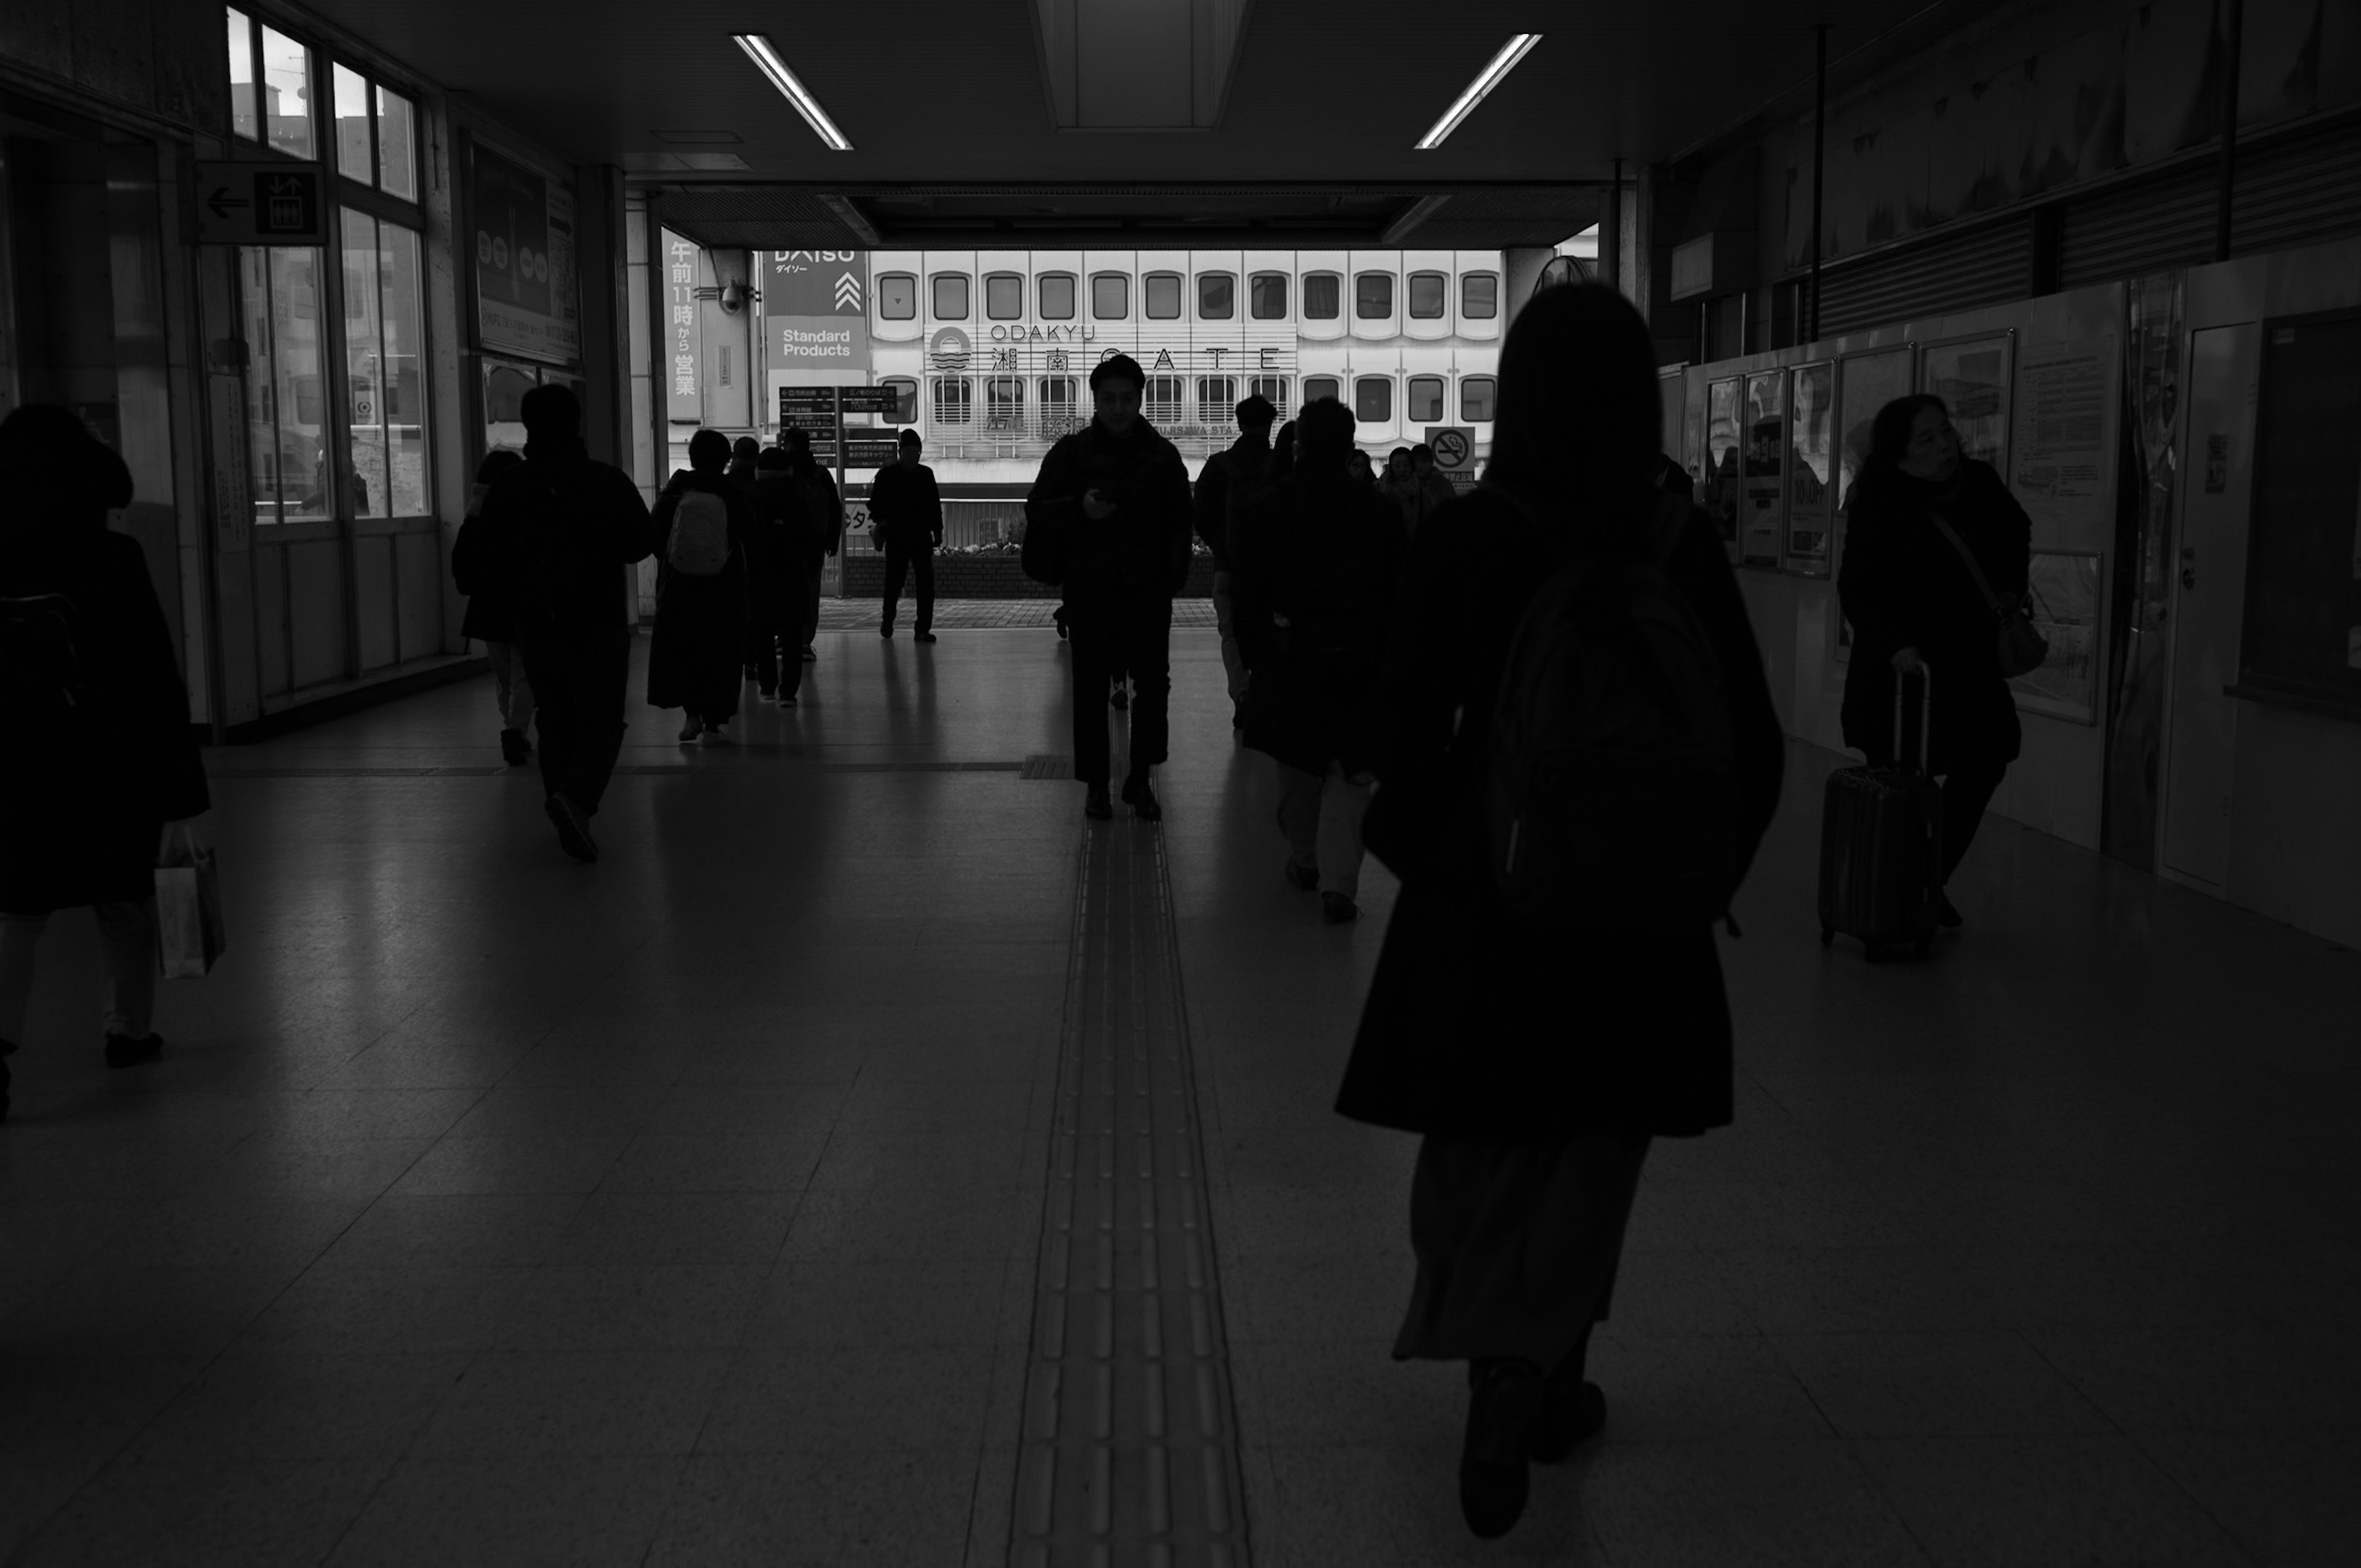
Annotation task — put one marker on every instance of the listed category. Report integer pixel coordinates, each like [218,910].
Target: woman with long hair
[1534,1065]
[1915,602]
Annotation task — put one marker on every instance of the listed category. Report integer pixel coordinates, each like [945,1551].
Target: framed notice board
[2302,642]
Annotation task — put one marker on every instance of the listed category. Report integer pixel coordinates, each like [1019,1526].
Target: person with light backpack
[1571,787]
[695,658]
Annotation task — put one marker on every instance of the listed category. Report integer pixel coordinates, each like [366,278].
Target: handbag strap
[1975,571]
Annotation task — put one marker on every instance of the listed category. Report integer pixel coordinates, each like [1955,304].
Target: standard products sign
[816,311]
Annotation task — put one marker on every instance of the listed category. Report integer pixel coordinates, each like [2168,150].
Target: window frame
[1468,311]
[1491,385]
[1015,277]
[1041,297]
[1149,402]
[935,280]
[1373,379]
[1360,282]
[1226,279]
[936,386]
[906,409]
[1304,285]
[1262,384]
[1337,384]
[883,314]
[1146,301]
[1442,390]
[1224,406]
[1122,280]
[1266,276]
[1442,282]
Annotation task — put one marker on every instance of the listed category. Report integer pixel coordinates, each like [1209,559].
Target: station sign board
[807,400]
[860,451]
[1454,454]
[260,202]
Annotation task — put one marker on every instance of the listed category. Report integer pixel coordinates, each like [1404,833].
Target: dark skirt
[696,658]
[1517,1244]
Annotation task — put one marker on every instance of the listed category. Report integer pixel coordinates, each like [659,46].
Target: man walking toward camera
[1115,497]
[910,514]
[1217,482]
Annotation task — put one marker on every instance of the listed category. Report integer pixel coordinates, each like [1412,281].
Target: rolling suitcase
[1882,847]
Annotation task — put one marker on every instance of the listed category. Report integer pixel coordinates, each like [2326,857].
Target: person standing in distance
[1217,482]
[1117,494]
[780,561]
[562,527]
[702,521]
[823,514]
[491,613]
[909,513]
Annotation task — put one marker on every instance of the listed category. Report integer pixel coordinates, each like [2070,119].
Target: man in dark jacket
[569,526]
[782,555]
[823,514]
[1321,551]
[908,511]
[1115,496]
[1217,482]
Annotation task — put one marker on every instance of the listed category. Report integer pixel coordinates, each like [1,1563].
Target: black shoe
[923,637]
[1945,916]
[1097,806]
[513,750]
[573,826]
[1336,908]
[1061,631]
[786,702]
[886,631]
[1568,1421]
[1305,877]
[1504,1406]
[1122,699]
[122,1050]
[1141,799]
[810,657]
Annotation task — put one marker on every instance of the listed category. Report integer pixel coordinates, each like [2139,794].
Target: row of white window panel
[1426,397]
[374,127]
[1160,296]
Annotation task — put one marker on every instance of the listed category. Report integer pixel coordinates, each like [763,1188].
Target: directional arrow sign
[848,292]
[869,400]
[262,202]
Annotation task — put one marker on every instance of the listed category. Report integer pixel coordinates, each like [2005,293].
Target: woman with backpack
[1932,540]
[100,762]
[1534,1040]
[697,656]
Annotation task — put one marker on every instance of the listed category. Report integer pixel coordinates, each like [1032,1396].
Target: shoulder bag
[2023,649]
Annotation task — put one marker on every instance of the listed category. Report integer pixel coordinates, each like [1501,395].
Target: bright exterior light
[1486,80]
[766,57]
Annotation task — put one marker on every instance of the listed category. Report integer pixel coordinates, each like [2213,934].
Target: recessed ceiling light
[765,56]
[1486,80]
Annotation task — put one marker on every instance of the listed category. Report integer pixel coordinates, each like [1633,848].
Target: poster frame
[1822,567]
[1840,630]
[2005,419]
[1711,481]
[1783,377]
[467,146]
[2085,711]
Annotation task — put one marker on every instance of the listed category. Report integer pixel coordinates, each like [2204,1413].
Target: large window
[1428,291]
[1274,388]
[1056,296]
[385,359]
[1479,295]
[1217,296]
[279,289]
[897,296]
[1425,406]
[1475,398]
[374,136]
[1373,400]
[954,399]
[906,400]
[1217,397]
[1004,296]
[270,87]
[1110,296]
[1159,296]
[1321,292]
[1266,296]
[951,296]
[1160,399]
[1373,296]
[1318,386]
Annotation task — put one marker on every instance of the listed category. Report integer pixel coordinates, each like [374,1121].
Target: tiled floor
[686,1209]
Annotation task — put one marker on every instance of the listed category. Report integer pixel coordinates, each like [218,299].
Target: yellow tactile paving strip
[1130,1451]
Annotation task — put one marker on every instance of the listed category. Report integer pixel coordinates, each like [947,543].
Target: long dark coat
[482,572]
[1478,1025]
[1903,586]
[696,657]
[782,549]
[1324,552]
[81,813]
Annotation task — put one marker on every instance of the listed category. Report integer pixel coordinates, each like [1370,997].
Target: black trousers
[580,685]
[775,635]
[900,561]
[1966,792]
[1131,634]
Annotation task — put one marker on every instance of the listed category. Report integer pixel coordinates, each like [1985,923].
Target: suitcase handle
[1926,712]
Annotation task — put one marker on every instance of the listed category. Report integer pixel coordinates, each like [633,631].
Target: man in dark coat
[1217,482]
[780,554]
[823,514]
[1323,552]
[1537,1062]
[696,651]
[1117,495]
[908,511]
[569,526]
[99,754]
[1914,604]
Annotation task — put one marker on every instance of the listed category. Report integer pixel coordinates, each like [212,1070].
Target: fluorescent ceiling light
[765,56]
[1486,80]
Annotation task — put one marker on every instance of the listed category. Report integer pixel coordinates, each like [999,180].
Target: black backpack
[1609,775]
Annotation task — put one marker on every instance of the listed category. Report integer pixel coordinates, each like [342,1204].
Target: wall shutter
[2299,192]
[2138,228]
[1986,267]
